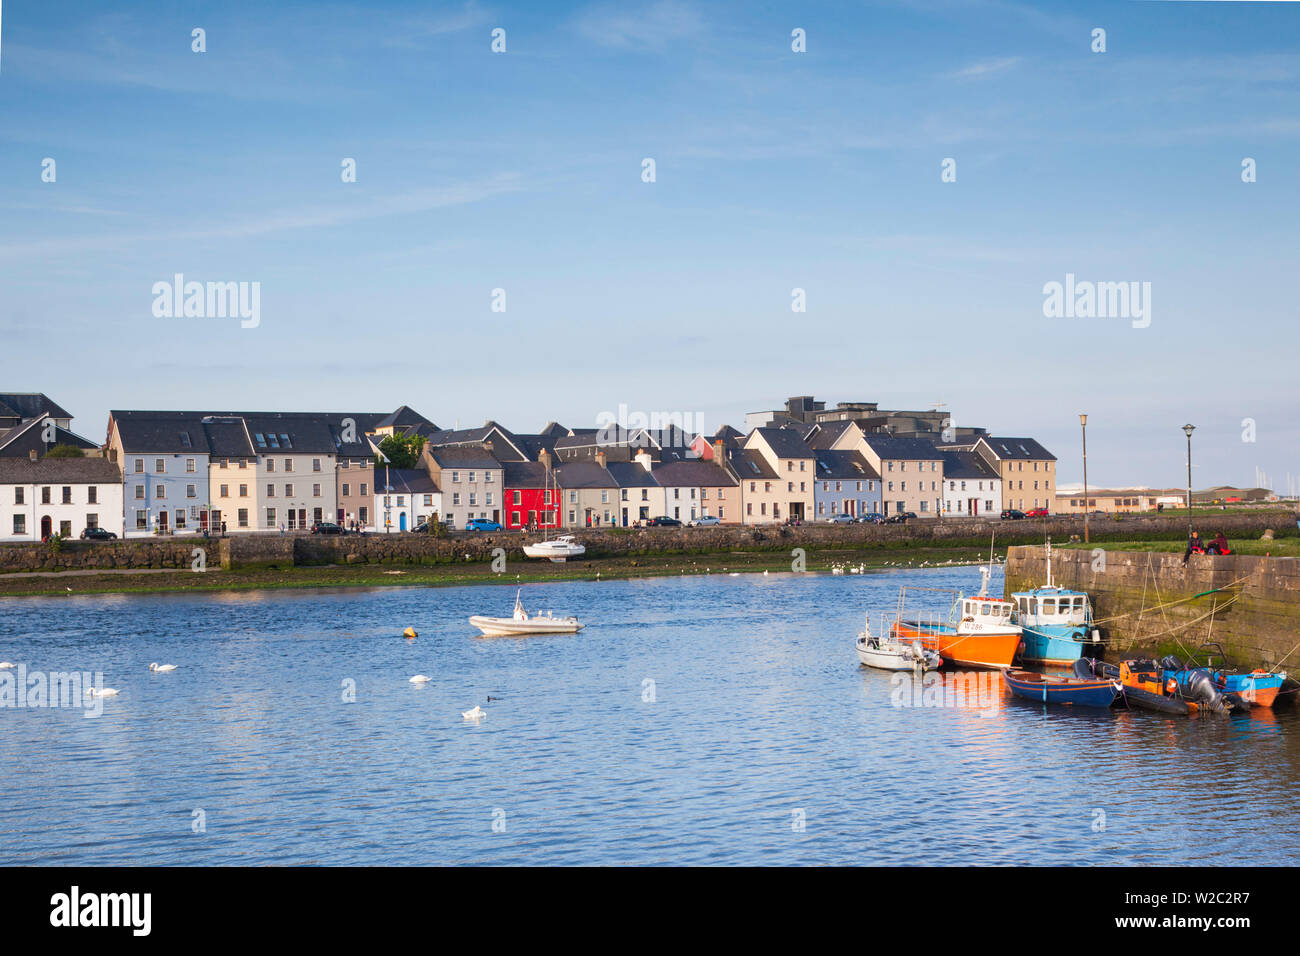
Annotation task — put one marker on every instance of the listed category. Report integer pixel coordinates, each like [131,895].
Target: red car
[1036,513]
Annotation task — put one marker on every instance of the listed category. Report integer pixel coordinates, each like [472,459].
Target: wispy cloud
[650,28]
[986,67]
[319,217]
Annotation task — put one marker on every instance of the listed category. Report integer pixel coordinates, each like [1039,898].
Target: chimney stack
[719,453]
[600,458]
[544,457]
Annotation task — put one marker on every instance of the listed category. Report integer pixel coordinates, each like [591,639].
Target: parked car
[1036,513]
[901,517]
[482,524]
[1011,514]
[840,519]
[97,534]
[326,527]
[871,517]
[705,521]
[663,521]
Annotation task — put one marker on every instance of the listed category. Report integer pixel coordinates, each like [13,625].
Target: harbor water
[696,720]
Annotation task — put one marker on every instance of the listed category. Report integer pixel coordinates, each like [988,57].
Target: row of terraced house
[183,472]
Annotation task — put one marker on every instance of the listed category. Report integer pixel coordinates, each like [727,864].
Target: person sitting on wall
[1219,545]
[1194,546]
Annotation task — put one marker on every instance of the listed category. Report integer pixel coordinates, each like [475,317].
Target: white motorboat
[886,653]
[521,622]
[561,549]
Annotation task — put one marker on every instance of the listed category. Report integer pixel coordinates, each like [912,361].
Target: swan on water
[162,668]
[101,692]
[475,714]
[5,665]
[421,679]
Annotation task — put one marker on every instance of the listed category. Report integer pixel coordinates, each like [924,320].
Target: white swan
[101,692]
[162,668]
[421,679]
[5,665]
[476,714]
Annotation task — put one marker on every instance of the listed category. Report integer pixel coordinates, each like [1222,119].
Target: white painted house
[64,496]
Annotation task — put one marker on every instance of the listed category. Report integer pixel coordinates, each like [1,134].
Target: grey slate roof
[749,464]
[88,471]
[693,473]
[404,481]
[19,442]
[850,465]
[524,474]
[26,405]
[825,435]
[966,465]
[464,456]
[906,449]
[1017,448]
[785,442]
[629,474]
[583,474]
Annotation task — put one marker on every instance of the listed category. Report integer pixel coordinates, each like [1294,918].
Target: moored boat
[561,549]
[1257,688]
[521,623]
[979,631]
[1056,623]
[885,653]
[1048,689]
[1142,684]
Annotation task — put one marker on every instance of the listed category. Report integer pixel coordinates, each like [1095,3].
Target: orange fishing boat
[978,631]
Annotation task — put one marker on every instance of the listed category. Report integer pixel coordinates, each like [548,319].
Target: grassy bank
[1288,547]
[66,582]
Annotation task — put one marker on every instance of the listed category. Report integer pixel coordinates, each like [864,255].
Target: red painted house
[531,498]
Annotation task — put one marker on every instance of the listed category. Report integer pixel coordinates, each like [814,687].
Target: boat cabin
[1054,606]
[986,610]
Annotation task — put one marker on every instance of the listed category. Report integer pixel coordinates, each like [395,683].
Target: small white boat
[561,549]
[888,654]
[521,622]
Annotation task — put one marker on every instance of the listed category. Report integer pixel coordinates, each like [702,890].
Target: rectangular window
[270,517]
[363,489]
[20,524]
[225,491]
[363,514]
[142,520]
[315,464]
[455,498]
[67,495]
[159,465]
[191,491]
[162,492]
[315,491]
[346,489]
[92,495]
[270,491]
[270,465]
[243,491]
[428,501]
[189,466]
[139,466]
[18,495]
[45,495]
[288,491]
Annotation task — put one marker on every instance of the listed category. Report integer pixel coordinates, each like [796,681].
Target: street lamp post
[1083,424]
[1187,430]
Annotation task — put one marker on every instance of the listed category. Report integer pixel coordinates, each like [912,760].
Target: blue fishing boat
[1257,688]
[1056,623]
[1049,689]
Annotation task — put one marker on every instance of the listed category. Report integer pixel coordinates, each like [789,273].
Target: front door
[162,520]
[47,527]
[401,521]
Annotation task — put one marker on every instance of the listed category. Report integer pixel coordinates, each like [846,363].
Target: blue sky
[775,170]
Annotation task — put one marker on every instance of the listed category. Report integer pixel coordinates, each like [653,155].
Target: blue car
[482,524]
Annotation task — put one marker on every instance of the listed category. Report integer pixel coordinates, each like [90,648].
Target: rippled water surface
[762,721]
